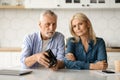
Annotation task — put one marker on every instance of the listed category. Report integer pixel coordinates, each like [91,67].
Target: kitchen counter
[62,74]
[10,49]
[113,49]
[18,49]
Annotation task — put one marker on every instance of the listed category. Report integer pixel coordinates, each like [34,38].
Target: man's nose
[51,26]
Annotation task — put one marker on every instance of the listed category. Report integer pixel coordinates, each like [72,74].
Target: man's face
[48,26]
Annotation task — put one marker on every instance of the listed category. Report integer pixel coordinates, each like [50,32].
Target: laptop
[14,72]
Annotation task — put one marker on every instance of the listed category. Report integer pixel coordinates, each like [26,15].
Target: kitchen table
[62,74]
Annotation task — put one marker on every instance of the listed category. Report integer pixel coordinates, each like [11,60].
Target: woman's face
[79,27]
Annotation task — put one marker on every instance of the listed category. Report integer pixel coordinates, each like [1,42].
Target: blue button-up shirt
[95,53]
[32,44]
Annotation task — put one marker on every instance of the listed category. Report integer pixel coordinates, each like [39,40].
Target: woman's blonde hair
[82,17]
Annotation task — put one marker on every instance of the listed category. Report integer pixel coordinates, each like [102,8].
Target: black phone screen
[108,71]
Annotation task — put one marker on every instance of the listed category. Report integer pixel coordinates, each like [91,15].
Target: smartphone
[108,71]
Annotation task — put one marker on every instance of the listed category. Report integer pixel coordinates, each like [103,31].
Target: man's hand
[70,56]
[41,58]
[100,65]
[59,65]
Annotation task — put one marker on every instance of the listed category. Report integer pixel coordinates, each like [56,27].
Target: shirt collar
[40,38]
[91,44]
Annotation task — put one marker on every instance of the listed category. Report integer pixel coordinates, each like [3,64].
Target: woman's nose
[78,27]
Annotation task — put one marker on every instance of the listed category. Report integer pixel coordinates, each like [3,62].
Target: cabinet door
[98,3]
[112,56]
[114,4]
[70,3]
[84,3]
[41,3]
[9,59]
[5,59]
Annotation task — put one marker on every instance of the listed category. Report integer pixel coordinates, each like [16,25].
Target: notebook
[14,72]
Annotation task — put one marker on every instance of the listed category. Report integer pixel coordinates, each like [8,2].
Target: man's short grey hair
[46,13]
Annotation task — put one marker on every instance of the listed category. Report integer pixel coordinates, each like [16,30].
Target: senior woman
[84,50]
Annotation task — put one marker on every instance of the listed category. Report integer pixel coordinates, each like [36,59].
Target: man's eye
[47,24]
[54,24]
[74,26]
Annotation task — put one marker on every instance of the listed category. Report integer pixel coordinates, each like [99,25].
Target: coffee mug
[117,65]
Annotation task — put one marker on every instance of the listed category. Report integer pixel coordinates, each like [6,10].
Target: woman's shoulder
[70,39]
[99,39]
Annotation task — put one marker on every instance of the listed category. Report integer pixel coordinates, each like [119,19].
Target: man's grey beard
[51,35]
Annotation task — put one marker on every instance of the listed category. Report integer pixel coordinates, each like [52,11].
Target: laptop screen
[14,72]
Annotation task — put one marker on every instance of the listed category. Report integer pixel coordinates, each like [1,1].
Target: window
[117,1]
[93,1]
[68,1]
[76,1]
[101,1]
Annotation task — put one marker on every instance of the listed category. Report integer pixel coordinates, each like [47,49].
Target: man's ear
[39,23]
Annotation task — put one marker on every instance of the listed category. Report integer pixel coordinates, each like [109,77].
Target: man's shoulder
[58,34]
[32,35]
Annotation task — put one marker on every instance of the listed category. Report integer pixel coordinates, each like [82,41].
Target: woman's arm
[100,65]
[70,56]
[70,60]
[101,62]
[76,64]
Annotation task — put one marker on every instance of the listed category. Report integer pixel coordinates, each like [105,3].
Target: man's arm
[29,61]
[61,48]
[27,58]
[38,57]
[60,52]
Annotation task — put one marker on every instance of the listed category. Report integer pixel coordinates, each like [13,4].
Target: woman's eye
[80,23]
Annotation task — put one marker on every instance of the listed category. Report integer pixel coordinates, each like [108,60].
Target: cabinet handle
[58,5]
[88,5]
[83,5]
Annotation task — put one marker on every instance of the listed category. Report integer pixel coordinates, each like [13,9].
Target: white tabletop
[62,74]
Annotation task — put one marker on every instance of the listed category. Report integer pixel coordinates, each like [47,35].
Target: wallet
[52,58]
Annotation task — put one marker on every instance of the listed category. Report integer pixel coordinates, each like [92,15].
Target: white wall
[9,59]
[15,23]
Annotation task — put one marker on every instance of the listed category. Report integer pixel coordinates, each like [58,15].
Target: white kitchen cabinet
[114,4]
[84,3]
[9,59]
[112,56]
[43,4]
[40,3]
[98,3]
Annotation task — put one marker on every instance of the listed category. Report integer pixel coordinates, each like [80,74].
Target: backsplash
[16,23]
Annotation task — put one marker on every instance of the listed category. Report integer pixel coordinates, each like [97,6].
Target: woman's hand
[100,65]
[70,56]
